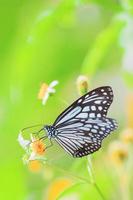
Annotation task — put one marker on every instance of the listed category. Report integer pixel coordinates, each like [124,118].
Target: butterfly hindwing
[87,138]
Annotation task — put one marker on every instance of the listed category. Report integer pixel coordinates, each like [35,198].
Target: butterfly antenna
[29,127]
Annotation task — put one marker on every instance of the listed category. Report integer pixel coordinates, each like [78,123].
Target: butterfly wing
[83,125]
[86,138]
[94,104]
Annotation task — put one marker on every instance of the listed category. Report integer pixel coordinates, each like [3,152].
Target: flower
[34,166]
[118,152]
[23,142]
[34,148]
[57,187]
[127,135]
[46,90]
[82,84]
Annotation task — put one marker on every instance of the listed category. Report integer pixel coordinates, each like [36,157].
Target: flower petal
[24,143]
[32,156]
[51,90]
[53,83]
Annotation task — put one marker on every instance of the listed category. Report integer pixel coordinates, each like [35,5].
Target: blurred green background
[42,41]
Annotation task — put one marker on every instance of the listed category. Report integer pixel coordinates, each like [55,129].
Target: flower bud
[118,152]
[82,84]
[127,135]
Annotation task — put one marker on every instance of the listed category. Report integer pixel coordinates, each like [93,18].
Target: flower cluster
[34,147]
[118,152]
[121,149]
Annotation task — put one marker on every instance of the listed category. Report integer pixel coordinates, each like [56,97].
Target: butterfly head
[50,130]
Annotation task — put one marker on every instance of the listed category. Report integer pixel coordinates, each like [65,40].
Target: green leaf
[101,47]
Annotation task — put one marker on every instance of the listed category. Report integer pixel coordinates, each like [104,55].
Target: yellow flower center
[38,147]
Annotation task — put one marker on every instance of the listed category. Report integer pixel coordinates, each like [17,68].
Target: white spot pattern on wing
[82,115]
[86,109]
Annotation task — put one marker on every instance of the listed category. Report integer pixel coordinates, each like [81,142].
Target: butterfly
[81,128]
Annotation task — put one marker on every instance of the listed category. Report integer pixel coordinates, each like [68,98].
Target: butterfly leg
[44,138]
[37,134]
[51,144]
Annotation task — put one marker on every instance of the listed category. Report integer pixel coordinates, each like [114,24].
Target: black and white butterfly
[81,128]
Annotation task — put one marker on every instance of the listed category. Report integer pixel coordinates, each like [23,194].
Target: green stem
[90,170]
[99,191]
[66,172]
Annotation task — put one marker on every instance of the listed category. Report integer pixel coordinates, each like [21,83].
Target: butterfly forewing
[92,105]
[83,125]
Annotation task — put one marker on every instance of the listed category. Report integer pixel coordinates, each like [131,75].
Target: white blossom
[23,142]
[50,90]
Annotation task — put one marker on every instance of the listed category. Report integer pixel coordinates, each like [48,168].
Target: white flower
[32,156]
[23,142]
[46,90]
